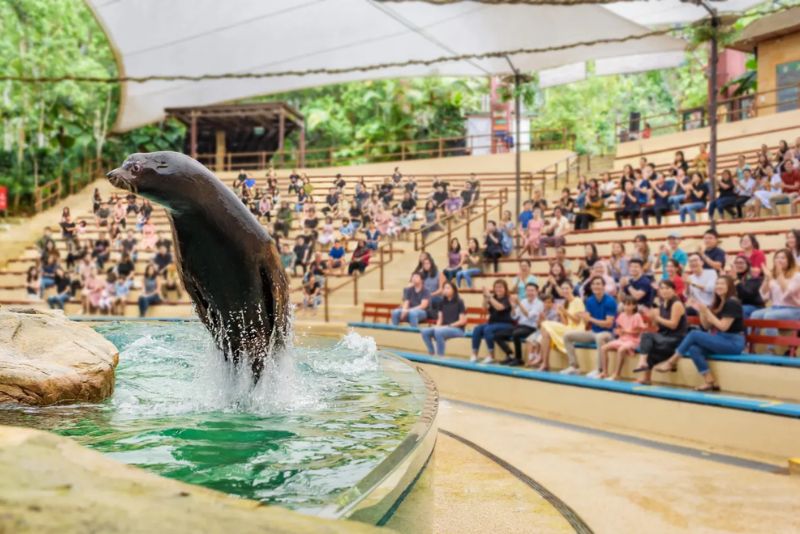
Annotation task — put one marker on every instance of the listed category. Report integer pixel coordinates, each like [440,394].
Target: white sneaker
[473,358]
[570,371]
[593,374]
[487,359]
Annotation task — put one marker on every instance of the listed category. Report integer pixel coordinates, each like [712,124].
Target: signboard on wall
[3,198]
[788,78]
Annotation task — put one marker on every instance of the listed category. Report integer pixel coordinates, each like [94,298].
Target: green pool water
[323,416]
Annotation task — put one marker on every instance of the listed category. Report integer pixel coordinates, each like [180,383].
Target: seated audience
[722,333]
[416,299]
[781,287]
[571,319]
[600,312]
[526,311]
[360,258]
[629,326]
[471,263]
[451,318]
[670,320]
[498,304]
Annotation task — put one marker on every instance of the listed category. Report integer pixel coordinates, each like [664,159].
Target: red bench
[382,312]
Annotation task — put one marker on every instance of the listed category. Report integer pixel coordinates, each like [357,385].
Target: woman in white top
[781,287]
[775,189]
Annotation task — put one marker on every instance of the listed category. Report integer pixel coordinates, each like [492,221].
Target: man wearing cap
[672,251]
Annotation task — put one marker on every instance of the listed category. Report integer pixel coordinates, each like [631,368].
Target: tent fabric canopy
[196,37]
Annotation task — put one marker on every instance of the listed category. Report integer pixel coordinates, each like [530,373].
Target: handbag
[658,344]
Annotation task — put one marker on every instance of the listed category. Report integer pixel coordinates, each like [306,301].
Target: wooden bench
[382,312]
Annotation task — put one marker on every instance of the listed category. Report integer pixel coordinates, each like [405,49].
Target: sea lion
[228,262]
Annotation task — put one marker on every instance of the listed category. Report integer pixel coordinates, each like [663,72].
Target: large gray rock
[47,359]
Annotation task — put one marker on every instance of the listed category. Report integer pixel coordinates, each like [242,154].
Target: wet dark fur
[228,262]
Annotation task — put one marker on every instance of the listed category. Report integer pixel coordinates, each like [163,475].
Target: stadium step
[765,377]
[766,429]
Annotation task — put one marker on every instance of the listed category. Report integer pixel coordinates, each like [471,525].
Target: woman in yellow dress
[572,318]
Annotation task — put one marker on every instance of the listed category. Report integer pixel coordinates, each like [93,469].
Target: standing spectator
[629,327]
[498,303]
[151,292]
[670,319]
[471,263]
[781,287]
[723,333]
[571,319]
[451,319]
[601,310]
[526,311]
[748,286]
[554,233]
[360,258]
[700,282]
[415,303]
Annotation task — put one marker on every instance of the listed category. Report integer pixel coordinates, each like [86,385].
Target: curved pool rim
[372,499]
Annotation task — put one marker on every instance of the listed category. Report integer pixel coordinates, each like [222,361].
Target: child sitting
[549,313]
[630,326]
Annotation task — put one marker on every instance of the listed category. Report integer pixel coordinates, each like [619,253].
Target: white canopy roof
[195,37]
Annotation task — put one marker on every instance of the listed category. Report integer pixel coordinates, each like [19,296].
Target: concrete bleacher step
[753,427]
[768,377]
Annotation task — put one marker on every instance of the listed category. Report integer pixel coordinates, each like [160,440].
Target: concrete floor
[613,483]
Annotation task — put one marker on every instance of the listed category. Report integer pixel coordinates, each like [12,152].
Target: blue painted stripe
[392,328]
[659,392]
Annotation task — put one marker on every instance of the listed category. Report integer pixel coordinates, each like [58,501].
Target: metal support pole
[712,111]
[355,288]
[327,316]
[193,135]
[518,145]
[381,267]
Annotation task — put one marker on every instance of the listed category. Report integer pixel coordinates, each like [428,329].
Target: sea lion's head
[171,179]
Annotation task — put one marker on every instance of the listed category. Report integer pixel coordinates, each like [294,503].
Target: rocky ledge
[50,484]
[47,359]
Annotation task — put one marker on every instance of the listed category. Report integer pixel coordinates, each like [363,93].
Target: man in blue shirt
[713,257]
[638,285]
[672,251]
[601,310]
[526,215]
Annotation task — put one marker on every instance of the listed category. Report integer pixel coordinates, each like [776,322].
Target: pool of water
[322,417]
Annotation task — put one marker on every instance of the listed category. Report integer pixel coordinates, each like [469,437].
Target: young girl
[535,226]
[326,236]
[629,327]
